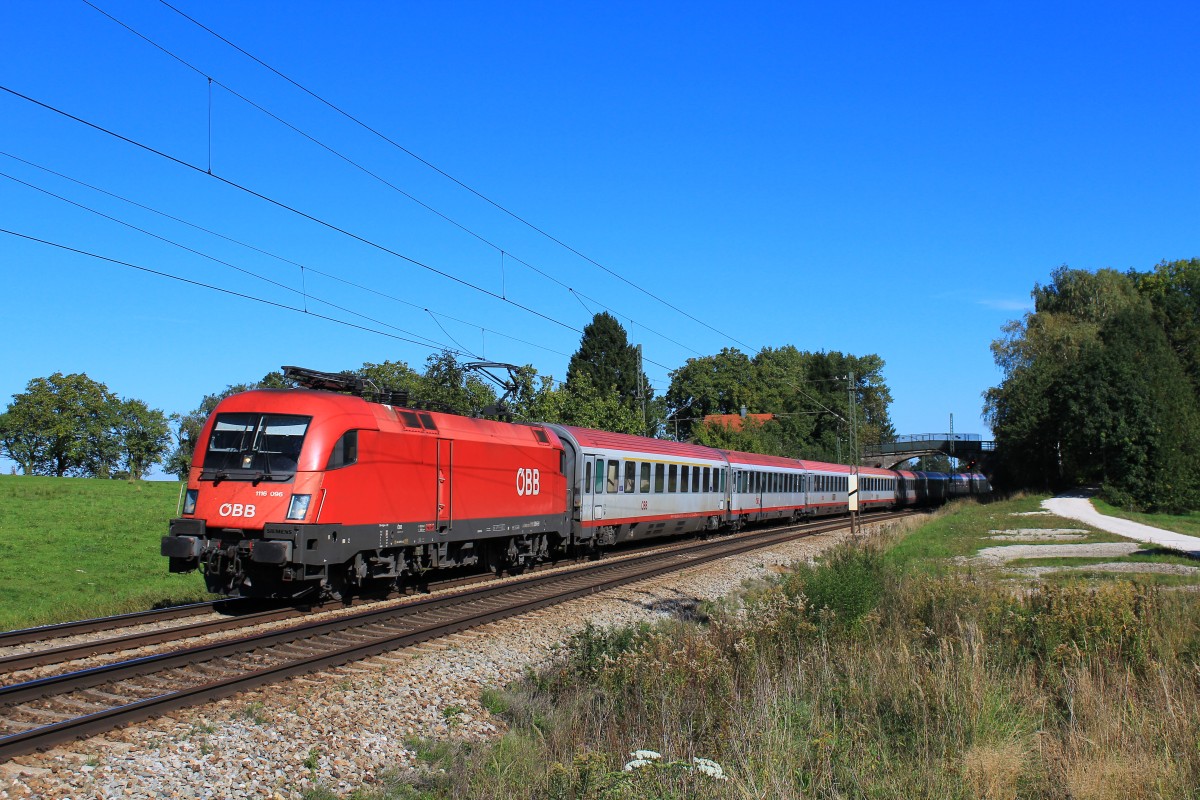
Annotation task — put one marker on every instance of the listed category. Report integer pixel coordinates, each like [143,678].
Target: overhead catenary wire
[372,174]
[304,268]
[452,178]
[245,296]
[243,270]
[221,289]
[285,206]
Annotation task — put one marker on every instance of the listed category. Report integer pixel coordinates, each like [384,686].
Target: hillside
[84,547]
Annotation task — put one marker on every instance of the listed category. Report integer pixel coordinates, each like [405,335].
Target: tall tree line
[1100,386]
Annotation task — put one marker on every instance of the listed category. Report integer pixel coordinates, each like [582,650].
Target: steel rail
[64,629]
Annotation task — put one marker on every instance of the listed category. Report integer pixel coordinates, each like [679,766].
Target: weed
[495,701]
[254,712]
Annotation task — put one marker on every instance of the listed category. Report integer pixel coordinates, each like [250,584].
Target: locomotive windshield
[256,447]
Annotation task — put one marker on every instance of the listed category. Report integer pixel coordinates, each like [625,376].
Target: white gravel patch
[1031,514]
[340,727]
[999,555]
[1039,534]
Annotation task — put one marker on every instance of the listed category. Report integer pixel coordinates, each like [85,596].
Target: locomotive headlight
[189,501]
[299,506]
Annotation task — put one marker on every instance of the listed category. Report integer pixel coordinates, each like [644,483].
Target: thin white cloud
[1008,305]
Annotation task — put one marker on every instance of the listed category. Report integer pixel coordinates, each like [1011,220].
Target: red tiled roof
[736,421]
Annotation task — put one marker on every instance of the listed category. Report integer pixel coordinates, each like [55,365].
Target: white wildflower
[645,754]
[710,768]
[638,763]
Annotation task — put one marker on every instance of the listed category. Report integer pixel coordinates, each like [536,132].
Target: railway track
[241,614]
[41,713]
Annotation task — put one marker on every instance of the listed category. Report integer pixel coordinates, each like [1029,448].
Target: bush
[843,588]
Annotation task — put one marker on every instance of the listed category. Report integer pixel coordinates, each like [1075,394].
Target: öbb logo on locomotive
[529,482]
[350,492]
[236,510]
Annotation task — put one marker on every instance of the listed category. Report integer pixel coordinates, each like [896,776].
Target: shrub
[843,588]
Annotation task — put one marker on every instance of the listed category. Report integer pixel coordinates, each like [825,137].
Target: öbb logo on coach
[529,482]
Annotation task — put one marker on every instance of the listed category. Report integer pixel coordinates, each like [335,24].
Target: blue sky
[864,178]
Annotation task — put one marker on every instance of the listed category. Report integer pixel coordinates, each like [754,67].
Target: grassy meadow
[900,668]
[72,548]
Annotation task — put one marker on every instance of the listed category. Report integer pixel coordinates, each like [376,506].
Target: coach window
[722,489]
[611,482]
[684,472]
[644,488]
[695,479]
[587,477]
[659,482]
[672,478]
[708,477]
[599,476]
[630,476]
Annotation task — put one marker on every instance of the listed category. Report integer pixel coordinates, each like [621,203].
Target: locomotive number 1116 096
[529,482]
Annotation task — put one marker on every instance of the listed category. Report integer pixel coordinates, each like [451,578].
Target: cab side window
[345,451]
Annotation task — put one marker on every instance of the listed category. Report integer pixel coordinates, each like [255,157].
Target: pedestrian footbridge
[966,447]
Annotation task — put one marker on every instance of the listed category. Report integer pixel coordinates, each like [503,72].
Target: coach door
[593,487]
[444,513]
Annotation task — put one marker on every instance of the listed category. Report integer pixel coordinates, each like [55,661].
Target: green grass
[72,548]
[1188,524]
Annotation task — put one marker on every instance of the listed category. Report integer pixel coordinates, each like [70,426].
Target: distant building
[736,421]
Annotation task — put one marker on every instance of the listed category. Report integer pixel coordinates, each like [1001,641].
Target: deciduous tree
[62,425]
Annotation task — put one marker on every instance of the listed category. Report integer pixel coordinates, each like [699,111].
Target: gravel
[999,555]
[1039,535]
[339,728]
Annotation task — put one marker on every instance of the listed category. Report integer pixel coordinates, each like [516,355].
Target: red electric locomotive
[296,490]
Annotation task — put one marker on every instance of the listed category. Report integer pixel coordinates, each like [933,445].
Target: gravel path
[1079,506]
[340,727]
